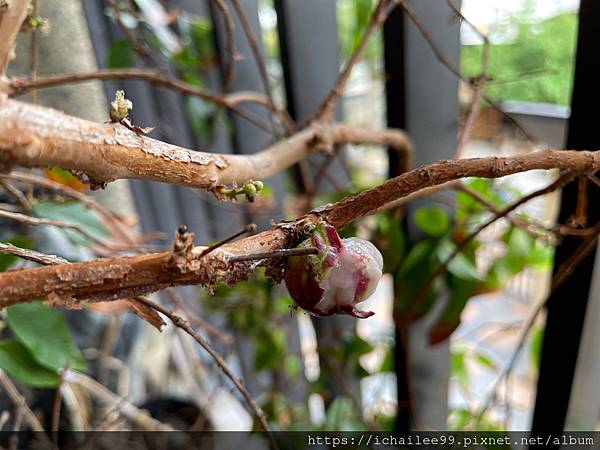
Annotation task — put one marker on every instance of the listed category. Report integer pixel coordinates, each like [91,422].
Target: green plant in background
[353,19]
[413,266]
[41,348]
[536,66]
[40,344]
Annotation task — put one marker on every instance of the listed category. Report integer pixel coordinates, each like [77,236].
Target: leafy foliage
[537,65]
[42,345]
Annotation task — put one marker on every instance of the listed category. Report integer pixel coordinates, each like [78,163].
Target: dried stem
[17,194]
[183,324]
[19,401]
[381,12]
[36,136]
[126,277]
[104,395]
[112,218]
[250,228]
[515,221]
[19,86]
[31,255]
[23,218]
[229,66]
[283,253]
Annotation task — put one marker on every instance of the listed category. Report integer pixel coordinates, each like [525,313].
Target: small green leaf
[121,55]
[293,365]
[16,360]
[486,361]
[461,265]
[535,346]
[432,220]
[460,291]
[357,346]
[341,416]
[45,333]
[458,368]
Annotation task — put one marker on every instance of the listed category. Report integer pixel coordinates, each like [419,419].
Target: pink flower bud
[343,274]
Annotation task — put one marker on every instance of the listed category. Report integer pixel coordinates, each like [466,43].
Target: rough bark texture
[12,15]
[130,276]
[35,136]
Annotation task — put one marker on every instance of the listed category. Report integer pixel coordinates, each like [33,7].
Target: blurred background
[468,357]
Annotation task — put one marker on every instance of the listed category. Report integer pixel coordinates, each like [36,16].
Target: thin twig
[104,395]
[31,255]
[33,50]
[206,326]
[19,86]
[111,217]
[180,322]
[381,12]
[228,70]
[515,221]
[17,194]
[283,253]
[56,410]
[250,228]
[23,218]
[261,64]
[563,272]
[18,400]
[564,179]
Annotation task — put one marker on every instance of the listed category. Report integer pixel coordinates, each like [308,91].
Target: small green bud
[250,189]
[119,107]
[259,185]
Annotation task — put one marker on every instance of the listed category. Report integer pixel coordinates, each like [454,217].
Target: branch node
[182,249]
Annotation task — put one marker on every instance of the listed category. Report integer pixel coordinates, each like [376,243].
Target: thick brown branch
[34,136]
[130,276]
[11,19]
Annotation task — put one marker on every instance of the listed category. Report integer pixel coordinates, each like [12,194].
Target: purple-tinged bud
[344,273]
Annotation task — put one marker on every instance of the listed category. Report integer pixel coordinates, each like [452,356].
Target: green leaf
[460,291]
[432,220]
[461,265]
[535,345]
[121,55]
[357,346]
[270,348]
[74,213]
[486,361]
[414,271]
[16,360]
[341,416]
[6,261]
[541,257]
[458,368]
[293,365]
[45,333]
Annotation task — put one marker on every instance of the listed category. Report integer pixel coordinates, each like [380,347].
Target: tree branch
[11,19]
[31,255]
[19,86]
[126,277]
[35,136]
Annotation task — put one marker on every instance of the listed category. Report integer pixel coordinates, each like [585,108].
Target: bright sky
[483,13]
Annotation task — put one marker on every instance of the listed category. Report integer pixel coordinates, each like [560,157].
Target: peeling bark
[35,136]
[114,278]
